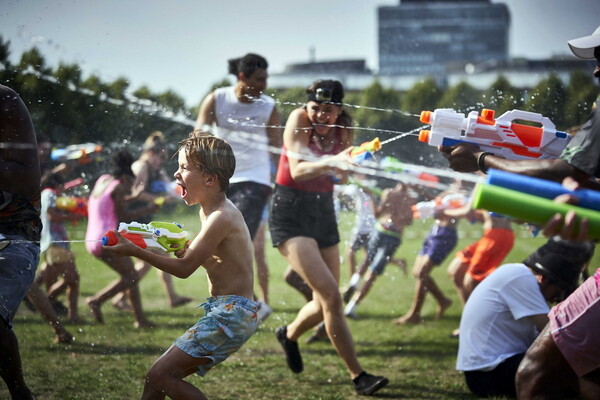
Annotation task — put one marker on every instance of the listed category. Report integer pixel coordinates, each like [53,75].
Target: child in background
[55,247]
[223,247]
[107,206]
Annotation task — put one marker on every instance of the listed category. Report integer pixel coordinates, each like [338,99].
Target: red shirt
[320,184]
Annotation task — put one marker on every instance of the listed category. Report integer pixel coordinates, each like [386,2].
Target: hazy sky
[184,45]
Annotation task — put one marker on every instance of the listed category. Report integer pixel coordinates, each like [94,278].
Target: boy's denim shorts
[229,322]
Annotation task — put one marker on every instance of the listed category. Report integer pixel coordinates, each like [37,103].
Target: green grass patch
[109,361]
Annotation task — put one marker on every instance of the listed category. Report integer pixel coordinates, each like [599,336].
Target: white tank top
[243,126]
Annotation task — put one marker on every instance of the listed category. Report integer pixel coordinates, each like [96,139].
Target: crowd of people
[511,341]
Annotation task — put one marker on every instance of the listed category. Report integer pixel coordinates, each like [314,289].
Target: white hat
[583,47]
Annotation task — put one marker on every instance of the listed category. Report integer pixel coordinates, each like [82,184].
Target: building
[421,37]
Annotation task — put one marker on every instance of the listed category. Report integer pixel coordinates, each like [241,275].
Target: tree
[424,95]
[462,97]
[548,98]
[580,96]
[502,96]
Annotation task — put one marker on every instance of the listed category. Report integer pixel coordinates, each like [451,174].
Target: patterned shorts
[229,322]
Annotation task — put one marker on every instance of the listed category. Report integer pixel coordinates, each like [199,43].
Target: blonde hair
[210,154]
[155,142]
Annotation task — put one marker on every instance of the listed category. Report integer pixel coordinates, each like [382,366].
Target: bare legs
[165,377]
[320,269]
[425,283]
[128,281]
[10,364]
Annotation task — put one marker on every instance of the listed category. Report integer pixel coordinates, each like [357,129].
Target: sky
[184,45]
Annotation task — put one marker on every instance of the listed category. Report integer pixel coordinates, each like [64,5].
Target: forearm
[178,267]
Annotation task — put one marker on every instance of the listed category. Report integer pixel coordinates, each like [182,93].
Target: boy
[54,245]
[224,249]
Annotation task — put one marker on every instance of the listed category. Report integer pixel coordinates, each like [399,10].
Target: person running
[316,151]
[107,206]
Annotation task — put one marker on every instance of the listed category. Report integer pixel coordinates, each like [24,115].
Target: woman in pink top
[106,208]
[316,152]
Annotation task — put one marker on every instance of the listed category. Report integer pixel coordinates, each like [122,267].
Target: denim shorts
[229,322]
[250,198]
[381,250]
[297,213]
[18,263]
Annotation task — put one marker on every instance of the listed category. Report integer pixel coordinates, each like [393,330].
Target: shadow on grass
[88,348]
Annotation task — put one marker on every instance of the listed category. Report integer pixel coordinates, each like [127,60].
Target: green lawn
[109,361]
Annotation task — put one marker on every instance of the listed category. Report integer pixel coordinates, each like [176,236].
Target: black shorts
[298,213]
[250,198]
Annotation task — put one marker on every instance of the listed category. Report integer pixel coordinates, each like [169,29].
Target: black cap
[560,270]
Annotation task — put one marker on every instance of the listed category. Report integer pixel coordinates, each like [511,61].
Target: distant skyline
[184,45]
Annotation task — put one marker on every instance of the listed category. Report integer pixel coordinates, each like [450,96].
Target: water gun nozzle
[424,136]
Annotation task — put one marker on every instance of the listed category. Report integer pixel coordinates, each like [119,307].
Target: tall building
[429,37]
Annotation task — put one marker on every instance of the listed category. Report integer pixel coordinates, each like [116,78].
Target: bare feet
[180,300]
[144,324]
[442,308]
[121,304]
[95,309]
[407,319]
[63,337]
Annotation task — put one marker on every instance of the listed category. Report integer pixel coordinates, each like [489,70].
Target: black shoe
[367,384]
[292,354]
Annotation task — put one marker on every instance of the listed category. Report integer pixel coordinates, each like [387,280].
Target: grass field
[109,361]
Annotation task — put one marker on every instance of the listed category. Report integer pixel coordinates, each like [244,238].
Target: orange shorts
[486,254]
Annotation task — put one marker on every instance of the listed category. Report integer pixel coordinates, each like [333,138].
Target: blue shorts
[382,247]
[439,243]
[18,263]
[360,241]
[229,322]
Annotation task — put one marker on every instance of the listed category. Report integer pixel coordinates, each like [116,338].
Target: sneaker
[263,311]
[351,314]
[367,384]
[348,294]
[292,354]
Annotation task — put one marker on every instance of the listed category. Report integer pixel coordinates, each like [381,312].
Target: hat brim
[584,47]
[567,287]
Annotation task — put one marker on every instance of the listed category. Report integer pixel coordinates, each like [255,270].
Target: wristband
[480,160]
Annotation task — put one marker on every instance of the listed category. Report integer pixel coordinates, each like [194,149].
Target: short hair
[210,154]
[247,64]
[51,180]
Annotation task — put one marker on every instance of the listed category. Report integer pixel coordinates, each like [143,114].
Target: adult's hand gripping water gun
[530,200]
[500,136]
[154,236]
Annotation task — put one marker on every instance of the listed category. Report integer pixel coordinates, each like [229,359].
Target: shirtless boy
[224,249]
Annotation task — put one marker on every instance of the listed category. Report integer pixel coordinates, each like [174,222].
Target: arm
[274,133]
[464,157]
[204,246]
[296,137]
[19,160]
[121,197]
[539,321]
[206,115]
